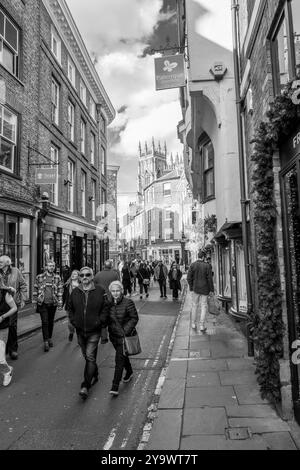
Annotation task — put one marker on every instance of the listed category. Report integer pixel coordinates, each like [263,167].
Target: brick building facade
[269,58]
[57,112]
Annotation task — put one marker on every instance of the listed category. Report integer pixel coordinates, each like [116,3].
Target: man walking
[105,277]
[12,277]
[88,314]
[161,274]
[200,281]
[48,293]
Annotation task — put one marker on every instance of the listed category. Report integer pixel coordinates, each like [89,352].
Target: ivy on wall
[268,327]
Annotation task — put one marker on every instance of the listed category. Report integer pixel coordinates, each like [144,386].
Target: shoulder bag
[131,344]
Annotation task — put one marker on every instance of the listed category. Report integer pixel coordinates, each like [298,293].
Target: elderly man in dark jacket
[88,314]
[201,285]
[122,320]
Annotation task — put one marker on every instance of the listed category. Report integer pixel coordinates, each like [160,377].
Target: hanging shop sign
[46,176]
[169,72]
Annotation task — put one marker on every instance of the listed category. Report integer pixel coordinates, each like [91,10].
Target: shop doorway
[291,216]
[76,253]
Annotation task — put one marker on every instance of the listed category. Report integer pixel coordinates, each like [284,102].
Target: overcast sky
[118,34]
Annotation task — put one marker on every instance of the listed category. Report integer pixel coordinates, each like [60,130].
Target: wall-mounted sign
[46,176]
[218,70]
[169,72]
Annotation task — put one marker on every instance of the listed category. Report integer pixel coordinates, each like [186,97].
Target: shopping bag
[132,345]
[214,307]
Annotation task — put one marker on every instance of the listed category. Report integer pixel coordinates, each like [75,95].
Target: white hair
[116,283]
[6,260]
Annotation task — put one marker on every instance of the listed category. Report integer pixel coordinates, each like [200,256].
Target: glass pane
[48,247]
[1,229]
[1,23]
[6,154]
[24,231]
[283,57]
[11,34]
[241,278]
[226,273]
[9,125]
[65,253]
[296,24]
[89,253]
[8,59]
[209,183]
[27,280]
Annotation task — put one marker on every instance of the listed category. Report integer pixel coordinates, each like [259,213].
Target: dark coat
[143,273]
[199,278]
[126,277]
[122,318]
[88,317]
[175,284]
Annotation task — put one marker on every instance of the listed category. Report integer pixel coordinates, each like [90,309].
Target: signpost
[169,72]
[46,176]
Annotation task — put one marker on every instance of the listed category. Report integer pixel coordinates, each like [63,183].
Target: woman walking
[174,279]
[143,276]
[71,283]
[126,279]
[122,320]
[7,308]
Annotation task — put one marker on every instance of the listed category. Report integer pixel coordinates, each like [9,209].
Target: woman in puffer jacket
[122,320]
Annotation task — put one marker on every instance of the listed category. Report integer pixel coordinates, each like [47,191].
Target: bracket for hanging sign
[39,163]
[180,49]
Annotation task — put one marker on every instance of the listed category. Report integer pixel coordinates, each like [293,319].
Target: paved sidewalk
[210,397]
[31,322]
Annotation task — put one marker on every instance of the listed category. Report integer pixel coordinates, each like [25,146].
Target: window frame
[71,63]
[55,105]
[55,35]
[166,192]
[54,187]
[94,195]
[11,142]
[82,136]
[83,180]
[70,185]
[103,160]
[82,91]
[71,124]
[92,148]
[10,47]
[203,142]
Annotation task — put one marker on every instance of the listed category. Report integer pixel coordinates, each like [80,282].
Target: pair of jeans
[143,287]
[89,348]
[12,340]
[121,362]
[4,367]
[199,308]
[127,288]
[175,293]
[163,287]
[47,313]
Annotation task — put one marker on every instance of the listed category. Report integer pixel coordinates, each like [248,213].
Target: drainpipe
[234,9]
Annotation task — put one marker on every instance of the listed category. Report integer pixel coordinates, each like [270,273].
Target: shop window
[8,139]
[224,271]
[65,250]
[9,44]
[15,242]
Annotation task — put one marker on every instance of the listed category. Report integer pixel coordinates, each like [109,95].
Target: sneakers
[194,326]
[46,346]
[202,328]
[128,376]
[7,377]
[50,343]
[84,393]
[114,390]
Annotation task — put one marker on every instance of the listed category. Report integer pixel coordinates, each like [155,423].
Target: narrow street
[41,409]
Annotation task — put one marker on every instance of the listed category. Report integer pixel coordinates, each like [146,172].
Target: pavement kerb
[22,335]
[152,409]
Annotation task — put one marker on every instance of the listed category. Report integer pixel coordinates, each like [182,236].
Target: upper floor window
[103,160]
[167,189]
[285,46]
[93,109]
[9,45]
[70,185]
[54,187]
[82,136]
[206,151]
[71,72]
[54,101]
[83,192]
[93,201]
[55,44]
[71,120]
[93,146]
[8,139]
[82,92]
[102,124]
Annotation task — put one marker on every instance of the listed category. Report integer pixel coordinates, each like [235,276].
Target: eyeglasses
[85,275]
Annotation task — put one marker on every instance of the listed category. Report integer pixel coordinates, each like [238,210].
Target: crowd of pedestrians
[98,307]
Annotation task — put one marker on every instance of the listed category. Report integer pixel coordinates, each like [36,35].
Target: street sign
[46,176]
[169,72]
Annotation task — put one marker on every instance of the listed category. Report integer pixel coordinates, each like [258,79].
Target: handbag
[131,345]
[213,305]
